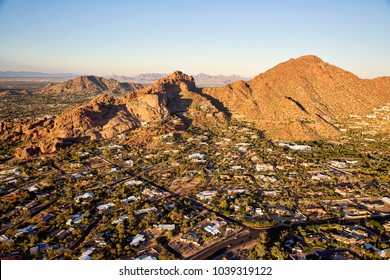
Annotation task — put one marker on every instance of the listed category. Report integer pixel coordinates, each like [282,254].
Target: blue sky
[215,37]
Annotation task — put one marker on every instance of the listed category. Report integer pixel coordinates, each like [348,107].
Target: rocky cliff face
[105,116]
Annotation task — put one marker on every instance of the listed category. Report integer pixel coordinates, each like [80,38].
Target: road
[247,233]
[252,234]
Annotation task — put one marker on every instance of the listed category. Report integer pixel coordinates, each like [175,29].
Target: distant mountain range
[144,78]
[200,79]
[27,74]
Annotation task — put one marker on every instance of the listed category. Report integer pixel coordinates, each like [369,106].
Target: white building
[264,167]
[146,258]
[129,162]
[84,196]
[120,219]
[319,177]
[206,194]
[139,238]
[145,211]
[166,226]
[134,183]
[130,199]
[196,156]
[86,255]
[105,206]
[386,200]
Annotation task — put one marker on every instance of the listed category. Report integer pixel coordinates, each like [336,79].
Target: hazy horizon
[223,37]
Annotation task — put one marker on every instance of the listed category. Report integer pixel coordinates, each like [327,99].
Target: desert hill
[172,97]
[90,84]
[295,100]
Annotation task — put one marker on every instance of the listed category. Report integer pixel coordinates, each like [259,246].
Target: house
[259,212]
[337,164]
[105,206]
[86,254]
[82,154]
[295,147]
[268,178]
[85,196]
[114,146]
[316,211]
[150,194]
[48,217]
[63,233]
[237,191]
[351,211]
[196,156]
[30,205]
[145,211]
[206,195]
[4,238]
[133,183]
[76,219]
[190,238]
[76,176]
[130,199]
[237,167]
[120,219]
[264,167]
[15,171]
[340,192]
[32,188]
[386,200]
[146,258]
[129,162]
[40,248]
[165,226]
[270,193]
[138,239]
[213,227]
[26,230]
[320,176]
[198,160]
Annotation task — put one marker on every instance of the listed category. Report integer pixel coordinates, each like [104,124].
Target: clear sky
[216,37]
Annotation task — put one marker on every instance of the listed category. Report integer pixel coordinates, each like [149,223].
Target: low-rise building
[137,240]
[86,254]
[105,206]
[206,194]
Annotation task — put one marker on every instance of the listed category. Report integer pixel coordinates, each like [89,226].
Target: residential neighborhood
[203,193]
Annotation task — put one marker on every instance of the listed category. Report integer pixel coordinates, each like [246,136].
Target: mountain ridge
[295,100]
[90,84]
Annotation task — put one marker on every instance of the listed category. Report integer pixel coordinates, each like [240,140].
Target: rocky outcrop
[90,84]
[105,116]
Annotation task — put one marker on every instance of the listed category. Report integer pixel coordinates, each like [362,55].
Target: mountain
[210,80]
[295,100]
[27,74]
[200,79]
[145,78]
[172,99]
[90,84]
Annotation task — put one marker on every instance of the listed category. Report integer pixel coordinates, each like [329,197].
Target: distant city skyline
[214,37]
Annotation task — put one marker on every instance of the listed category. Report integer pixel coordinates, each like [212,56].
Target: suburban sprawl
[218,193]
